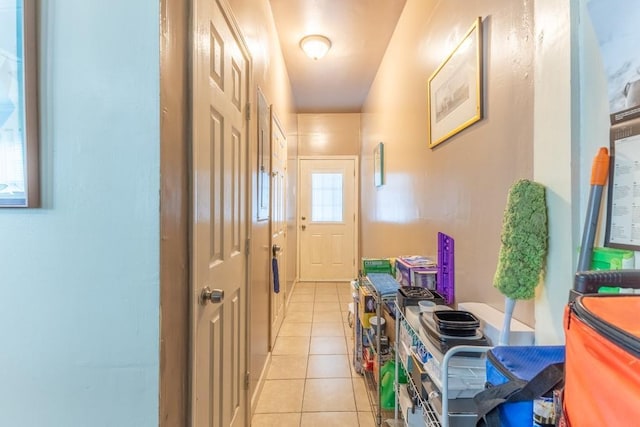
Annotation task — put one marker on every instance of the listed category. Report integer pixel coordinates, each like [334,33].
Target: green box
[376,265]
[611,259]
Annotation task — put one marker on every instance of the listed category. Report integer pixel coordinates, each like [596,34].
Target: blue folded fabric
[384,283]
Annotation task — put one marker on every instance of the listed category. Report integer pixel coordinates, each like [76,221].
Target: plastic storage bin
[456,323]
[612,259]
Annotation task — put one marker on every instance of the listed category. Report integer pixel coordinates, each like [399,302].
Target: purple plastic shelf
[445,283]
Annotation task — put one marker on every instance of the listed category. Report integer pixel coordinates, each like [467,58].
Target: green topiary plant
[524,247]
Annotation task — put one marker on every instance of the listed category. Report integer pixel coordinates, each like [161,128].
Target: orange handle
[600,167]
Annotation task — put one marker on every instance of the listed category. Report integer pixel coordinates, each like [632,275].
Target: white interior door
[278,223]
[221,69]
[327,221]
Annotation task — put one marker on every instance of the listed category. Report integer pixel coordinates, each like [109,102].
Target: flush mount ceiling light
[315,46]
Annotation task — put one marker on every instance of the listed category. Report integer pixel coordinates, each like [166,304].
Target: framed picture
[19,159]
[264,158]
[623,221]
[454,91]
[378,165]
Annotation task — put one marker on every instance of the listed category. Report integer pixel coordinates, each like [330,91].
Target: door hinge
[248,111]
[246,380]
[247,247]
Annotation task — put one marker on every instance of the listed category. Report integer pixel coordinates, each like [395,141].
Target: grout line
[308,355]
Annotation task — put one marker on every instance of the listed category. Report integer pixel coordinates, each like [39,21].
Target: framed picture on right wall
[378,165]
[454,91]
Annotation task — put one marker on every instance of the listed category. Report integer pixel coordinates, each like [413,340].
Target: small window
[326,197]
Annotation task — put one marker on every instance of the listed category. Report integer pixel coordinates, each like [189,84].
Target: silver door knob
[214,296]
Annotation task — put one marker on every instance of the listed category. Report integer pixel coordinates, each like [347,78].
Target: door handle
[304,227]
[213,296]
[275,249]
[304,217]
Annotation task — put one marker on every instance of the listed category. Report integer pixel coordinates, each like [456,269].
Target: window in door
[326,197]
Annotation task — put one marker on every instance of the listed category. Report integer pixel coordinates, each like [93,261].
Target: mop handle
[600,167]
[599,173]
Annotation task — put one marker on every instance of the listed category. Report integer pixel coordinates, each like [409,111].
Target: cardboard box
[410,274]
[390,326]
[376,265]
[418,373]
[366,307]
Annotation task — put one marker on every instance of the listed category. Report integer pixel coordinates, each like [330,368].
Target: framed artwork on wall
[378,165]
[622,217]
[264,158]
[19,157]
[454,90]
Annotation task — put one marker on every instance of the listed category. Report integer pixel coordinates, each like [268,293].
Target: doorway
[327,218]
[219,216]
[278,226]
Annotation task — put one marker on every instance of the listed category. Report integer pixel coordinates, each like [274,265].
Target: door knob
[214,296]
[304,217]
[304,227]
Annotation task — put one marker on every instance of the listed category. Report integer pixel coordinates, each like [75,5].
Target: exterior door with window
[327,221]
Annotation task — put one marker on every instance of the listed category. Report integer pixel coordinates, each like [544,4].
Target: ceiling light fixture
[315,46]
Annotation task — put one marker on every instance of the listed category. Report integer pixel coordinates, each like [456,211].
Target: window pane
[326,197]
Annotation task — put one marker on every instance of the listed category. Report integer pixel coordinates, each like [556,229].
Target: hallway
[311,381]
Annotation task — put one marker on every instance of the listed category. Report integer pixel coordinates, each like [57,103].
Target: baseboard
[260,385]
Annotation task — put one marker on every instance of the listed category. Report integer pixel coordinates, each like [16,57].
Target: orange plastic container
[602,369]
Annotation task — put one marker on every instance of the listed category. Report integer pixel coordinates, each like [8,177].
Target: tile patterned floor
[311,381]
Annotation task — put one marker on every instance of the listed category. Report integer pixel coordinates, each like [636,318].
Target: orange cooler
[602,370]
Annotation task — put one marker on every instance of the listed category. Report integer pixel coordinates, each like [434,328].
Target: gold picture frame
[454,90]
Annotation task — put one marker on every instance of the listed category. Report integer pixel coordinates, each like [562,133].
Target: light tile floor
[311,381]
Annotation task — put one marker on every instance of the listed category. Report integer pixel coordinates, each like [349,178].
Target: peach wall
[329,134]
[270,75]
[461,186]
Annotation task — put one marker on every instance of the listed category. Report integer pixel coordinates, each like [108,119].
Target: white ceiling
[359,30]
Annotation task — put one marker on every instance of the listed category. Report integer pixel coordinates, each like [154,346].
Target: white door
[327,221]
[278,224]
[221,67]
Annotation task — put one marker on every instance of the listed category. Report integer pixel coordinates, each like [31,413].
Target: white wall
[572,123]
[553,155]
[79,279]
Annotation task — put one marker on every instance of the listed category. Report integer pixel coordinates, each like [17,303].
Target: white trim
[261,380]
